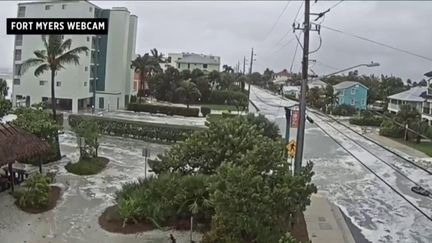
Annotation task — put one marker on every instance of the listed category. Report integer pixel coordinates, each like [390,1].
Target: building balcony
[393,107]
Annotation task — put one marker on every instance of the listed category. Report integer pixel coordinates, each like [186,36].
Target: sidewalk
[396,145]
[325,222]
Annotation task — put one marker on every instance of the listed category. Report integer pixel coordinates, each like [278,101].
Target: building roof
[18,144]
[199,58]
[413,94]
[283,73]
[347,84]
[317,82]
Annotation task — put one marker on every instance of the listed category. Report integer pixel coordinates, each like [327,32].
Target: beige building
[191,61]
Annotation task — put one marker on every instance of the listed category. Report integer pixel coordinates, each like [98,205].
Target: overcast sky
[230,29]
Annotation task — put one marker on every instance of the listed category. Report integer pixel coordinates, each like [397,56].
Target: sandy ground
[84,199]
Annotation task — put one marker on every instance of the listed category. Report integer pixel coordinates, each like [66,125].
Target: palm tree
[3,88]
[214,77]
[147,66]
[227,69]
[189,91]
[56,54]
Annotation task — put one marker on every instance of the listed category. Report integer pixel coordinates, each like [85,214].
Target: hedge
[226,97]
[164,109]
[205,110]
[388,129]
[162,133]
[367,121]
[343,110]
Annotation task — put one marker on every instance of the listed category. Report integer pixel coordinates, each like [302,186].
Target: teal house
[351,93]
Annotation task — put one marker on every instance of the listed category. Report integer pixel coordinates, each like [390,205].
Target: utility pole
[250,71]
[244,64]
[302,110]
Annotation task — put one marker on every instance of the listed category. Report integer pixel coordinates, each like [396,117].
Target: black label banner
[57,26]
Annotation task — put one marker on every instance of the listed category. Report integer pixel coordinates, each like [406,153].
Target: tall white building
[106,66]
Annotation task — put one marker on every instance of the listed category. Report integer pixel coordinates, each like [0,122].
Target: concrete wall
[192,66]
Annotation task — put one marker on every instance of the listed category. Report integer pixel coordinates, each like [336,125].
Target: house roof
[283,73]
[347,84]
[317,82]
[199,58]
[413,94]
[18,144]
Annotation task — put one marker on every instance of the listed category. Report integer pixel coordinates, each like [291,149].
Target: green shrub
[133,99]
[344,110]
[162,133]
[205,110]
[89,166]
[389,129]
[228,115]
[367,121]
[227,97]
[35,192]
[429,132]
[164,109]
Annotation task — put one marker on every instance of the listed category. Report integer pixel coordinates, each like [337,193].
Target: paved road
[380,213]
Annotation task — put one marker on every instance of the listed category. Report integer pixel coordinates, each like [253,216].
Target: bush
[205,110]
[164,109]
[389,129]
[344,110]
[228,97]
[367,121]
[163,133]
[88,166]
[133,99]
[228,115]
[35,194]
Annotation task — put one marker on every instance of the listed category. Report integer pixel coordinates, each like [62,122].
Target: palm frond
[40,54]
[54,43]
[76,51]
[41,69]
[68,58]
[23,67]
[65,46]
[45,42]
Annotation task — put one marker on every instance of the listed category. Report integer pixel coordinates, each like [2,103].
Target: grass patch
[87,166]
[425,147]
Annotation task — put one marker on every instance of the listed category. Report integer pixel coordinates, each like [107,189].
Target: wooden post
[191,228]
[11,176]
[40,164]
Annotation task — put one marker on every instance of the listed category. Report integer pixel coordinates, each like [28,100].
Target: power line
[335,5]
[277,20]
[295,54]
[295,18]
[379,43]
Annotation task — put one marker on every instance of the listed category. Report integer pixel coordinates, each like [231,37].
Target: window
[352,102]
[204,65]
[42,82]
[17,55]
[188,65]
[17,69]
[63,6]
[178,65]
[363,102]
[90,9]
[343,92]
[58,83]
[16,81]
[86,68]
[85,84]
[18,40]
[21,11]
[353,91]
[93,42]
[101,102]
[48,7]
[62,37]
[88,38]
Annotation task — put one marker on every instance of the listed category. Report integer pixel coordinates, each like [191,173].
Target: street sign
[291,146]
[295,118]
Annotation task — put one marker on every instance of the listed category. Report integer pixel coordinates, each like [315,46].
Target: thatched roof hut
[17,144]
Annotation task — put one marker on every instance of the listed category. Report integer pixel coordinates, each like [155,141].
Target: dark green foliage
[35,192]
[133,99]
[87,166]
[5,107]
[367,119]
[269,129]
[162,133]
[390,129]
[3,88]
[228,115]
[164,109]
[226,97]
[343,110]
[205,111]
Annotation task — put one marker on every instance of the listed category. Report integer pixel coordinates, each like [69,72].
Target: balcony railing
[393,106]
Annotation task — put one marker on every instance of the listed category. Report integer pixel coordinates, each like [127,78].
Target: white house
[103,77]
[415,97]
[427,104]
[191,61]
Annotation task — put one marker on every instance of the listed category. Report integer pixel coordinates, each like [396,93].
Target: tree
[422,82]
[5,107]
[147,66]
[56,54]
[214,77]
[188,91]
[227,69]
[3,88]
[89,130]
[225,81]
[267,76]
[408,115]
[255,78]
[202,83]
[185,74]
[313,98]
[409,82]
[330,96]
[196,73]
